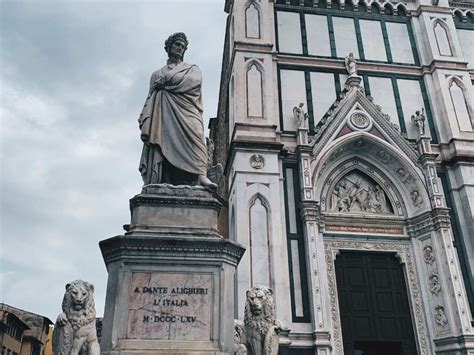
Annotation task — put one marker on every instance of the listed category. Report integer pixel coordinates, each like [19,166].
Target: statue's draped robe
[171,123]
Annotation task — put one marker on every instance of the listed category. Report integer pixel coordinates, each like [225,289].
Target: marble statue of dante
[171,124]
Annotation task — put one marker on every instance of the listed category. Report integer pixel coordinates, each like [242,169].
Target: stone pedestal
[170,288]
[352,80]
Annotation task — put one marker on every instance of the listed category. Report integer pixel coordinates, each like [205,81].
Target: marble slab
[170,306]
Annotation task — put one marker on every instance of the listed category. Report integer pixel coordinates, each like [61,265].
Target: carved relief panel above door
[357,192]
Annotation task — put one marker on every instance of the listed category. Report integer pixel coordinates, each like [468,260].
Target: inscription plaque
[170,306]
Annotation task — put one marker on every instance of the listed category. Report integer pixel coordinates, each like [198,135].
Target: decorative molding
[333,247]
[429,221]
[122,248]
[337,115]
[165,194]
[309,211]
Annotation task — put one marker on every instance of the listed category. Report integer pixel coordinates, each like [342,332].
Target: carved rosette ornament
[428,255]
[359,120]
[257,161]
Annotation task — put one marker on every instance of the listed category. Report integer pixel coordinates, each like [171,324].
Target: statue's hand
[145,138]
[158,84]
[62,320]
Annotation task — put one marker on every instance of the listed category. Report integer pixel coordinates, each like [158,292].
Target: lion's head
[78,302]
[259,309]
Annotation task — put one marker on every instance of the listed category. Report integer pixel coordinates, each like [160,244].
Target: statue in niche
[171,122]
[419,121]
[440,316]
[300,116]
[434,284]
[428,254]
[351,65]
[357,193]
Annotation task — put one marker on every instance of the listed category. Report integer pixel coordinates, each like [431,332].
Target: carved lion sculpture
[74,331]
[258,334]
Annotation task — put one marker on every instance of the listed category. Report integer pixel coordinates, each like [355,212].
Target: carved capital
[309,211]
[429,221]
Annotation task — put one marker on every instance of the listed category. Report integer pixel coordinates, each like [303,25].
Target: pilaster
[315,254]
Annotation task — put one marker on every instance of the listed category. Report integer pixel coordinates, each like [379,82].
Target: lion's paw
[62,320]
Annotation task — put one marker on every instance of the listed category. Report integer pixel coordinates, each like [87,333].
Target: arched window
[259,243]
[388,9]
[460,105]
[254,91]
[442,40]
[252,21]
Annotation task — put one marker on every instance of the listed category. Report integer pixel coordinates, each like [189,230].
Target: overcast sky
[74,77]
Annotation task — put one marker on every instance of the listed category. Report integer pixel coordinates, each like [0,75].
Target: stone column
[170,288]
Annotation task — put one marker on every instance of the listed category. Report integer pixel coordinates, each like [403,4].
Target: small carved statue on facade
[428,254]
[416,198]
[351,65]
[171,122]
[440,316]
[405,176]
[434,284]
[419,121]
[75,329]
[300,116]
[258,334]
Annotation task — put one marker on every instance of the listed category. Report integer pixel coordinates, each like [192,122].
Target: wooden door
[373,303]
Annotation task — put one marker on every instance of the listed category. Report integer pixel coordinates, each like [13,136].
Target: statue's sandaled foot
[204,181]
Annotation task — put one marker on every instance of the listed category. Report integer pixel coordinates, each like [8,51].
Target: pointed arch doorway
[373,304]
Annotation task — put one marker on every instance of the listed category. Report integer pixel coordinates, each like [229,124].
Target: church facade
[346,129]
